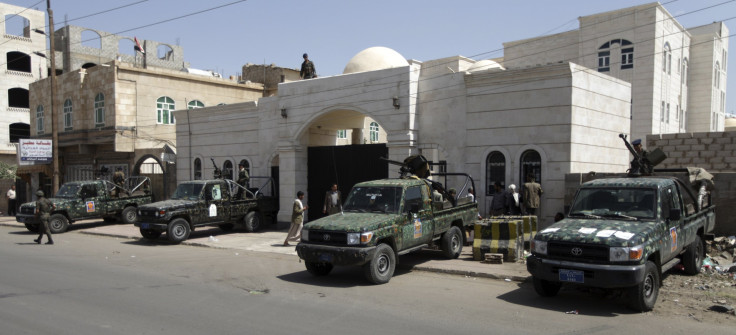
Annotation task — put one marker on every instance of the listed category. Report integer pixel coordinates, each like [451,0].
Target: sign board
[36,150]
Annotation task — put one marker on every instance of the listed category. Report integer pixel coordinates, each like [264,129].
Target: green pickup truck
[624,233]
[381,220]
[216,202]
[81,200]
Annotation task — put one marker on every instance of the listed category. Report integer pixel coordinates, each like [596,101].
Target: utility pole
[54,114]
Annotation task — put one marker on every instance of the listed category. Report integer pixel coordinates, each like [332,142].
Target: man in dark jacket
[44,207]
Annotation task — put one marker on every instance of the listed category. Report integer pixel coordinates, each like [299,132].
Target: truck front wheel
[129,215]
[546,288]
[318,268]
[693,257]
[58,223]
[643,296]
[381,268]
[178,230]
[252,221]
[452,243]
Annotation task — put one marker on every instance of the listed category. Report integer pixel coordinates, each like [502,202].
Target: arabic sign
[35,150]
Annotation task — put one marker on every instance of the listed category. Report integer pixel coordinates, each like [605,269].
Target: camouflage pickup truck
[215,202]
[81,200]
[624,233]
[382,220]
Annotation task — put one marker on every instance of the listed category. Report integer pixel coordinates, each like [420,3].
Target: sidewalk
[271,238]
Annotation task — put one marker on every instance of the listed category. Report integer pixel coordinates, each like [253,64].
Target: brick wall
[713,151]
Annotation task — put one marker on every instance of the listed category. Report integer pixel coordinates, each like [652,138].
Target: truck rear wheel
[33,228]
[318,268]
[150,234]
[252,221]
[693,257]
[129,215]
[452,243]
[546,288]
[58,223]
[178,230]
[643,296]
[381,268]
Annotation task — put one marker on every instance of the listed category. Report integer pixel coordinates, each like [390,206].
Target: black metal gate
[344,165]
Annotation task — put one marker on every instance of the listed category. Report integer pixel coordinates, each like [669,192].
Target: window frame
[68,113]
[374,131]
[194,104]
[39,119]
[99,110]
[165,105]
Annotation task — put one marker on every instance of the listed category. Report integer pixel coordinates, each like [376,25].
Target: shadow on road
[586,301]
[339,277]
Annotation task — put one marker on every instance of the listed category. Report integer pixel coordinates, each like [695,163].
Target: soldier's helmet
[39,193]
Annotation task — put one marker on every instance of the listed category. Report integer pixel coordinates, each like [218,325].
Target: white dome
[485,64]
[730,124]
[375,58]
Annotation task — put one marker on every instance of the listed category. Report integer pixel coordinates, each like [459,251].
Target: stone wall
[713,151]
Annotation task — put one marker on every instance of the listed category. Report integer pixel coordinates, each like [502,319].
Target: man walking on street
[297,220]
[44,207]
[308,71]
[11,200]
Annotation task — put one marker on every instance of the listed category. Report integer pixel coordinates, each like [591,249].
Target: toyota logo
[326,237]
[576,251]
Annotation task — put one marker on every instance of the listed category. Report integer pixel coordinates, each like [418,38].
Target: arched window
[100,110]
[717,76]
[18,131]
[612,50]
[91,39]
[667,58]
[68,125]
[164,108]
[531,166]
[194,104]
[374,132]
[227,170]
[197,169]
[164,52]
[17,25]
[495,171]
[39,119]
[18,98]
[18,61]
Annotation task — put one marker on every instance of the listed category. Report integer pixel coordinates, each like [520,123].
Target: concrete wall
[713,151]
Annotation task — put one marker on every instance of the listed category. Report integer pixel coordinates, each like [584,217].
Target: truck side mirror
[675,214]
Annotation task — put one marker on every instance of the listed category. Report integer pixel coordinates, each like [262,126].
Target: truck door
[90,203]
[217,201]
[419,226]
[675,236]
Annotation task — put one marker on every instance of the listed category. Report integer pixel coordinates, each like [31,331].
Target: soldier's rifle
[405,171]
[639,165]
[218,172]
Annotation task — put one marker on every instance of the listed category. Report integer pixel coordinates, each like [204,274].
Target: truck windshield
[373,199]
[617,203]
[68,191]
[187,192]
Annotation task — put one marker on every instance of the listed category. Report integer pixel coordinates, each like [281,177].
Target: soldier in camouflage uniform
[308,71]
[243,179]
[119,179]
[44,207]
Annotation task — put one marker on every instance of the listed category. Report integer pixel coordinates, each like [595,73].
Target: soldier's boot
[51,241]
[38,240]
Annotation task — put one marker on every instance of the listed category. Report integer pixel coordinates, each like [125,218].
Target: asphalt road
[87,284]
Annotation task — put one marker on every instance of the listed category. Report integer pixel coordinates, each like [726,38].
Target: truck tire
[252,222]
[33,228]
[178,230]
[129,215]
[226,226]
[58,223]
[644,296]
[381,268]
[546,288]
[693,257]
[318,268]
[452,243]
[150,234]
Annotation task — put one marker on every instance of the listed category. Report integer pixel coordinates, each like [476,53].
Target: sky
[333,31]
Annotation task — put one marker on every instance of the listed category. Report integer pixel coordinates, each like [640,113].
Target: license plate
[325,258]
[571,276]
[144,225]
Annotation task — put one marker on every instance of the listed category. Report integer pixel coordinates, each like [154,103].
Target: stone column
[292,178]
[357,137]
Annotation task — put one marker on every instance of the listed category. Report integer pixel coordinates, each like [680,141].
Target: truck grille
[589,253]
[328,237]
[27,210]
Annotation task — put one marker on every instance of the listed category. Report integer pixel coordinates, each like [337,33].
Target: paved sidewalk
[270,239]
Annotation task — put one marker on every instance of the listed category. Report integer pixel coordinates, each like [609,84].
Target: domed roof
[375,58]
[485,64]
[730,124]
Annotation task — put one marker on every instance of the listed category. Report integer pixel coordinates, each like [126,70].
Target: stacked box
[498,235]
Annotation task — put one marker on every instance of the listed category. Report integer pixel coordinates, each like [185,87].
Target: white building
[551,106]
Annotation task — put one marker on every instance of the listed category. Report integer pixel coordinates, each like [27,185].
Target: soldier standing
[243,179]
[642,166]
[119,179]
[308,71]
[333,201]
[44,207]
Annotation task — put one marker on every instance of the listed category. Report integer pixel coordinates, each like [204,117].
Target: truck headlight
[624,254]
[305,234]
[539,247]
[353,238]
[359,238]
